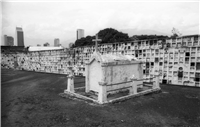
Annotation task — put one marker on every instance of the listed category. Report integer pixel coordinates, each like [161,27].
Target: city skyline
[44,21]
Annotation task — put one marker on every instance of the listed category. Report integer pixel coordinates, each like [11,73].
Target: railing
[102,95]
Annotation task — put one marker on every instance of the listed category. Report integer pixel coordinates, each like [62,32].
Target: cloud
[44,21]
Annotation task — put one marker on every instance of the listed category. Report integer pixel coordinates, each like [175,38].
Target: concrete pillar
[133,89]
[70,83]
[102,96]
[156,83]
[87,84]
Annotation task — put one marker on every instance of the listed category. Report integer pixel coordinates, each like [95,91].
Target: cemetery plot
[111,78]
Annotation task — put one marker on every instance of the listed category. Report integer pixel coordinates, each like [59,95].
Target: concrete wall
[122,73]
[95,75]
[41,61]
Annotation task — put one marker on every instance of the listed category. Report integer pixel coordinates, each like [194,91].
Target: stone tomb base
[111,98]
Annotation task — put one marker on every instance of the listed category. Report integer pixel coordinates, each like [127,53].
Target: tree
[84,41]
[108,35]
[175,33]
[46,44]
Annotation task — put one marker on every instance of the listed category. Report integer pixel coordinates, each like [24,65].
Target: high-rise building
[20,36]
[8,40]
[80,33]
[56,42]
[5,40]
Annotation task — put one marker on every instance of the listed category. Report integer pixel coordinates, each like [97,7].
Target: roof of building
[19,29]
[43,48]
[190,35]
[13,49]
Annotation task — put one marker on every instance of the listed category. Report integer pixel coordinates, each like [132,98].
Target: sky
[44,21]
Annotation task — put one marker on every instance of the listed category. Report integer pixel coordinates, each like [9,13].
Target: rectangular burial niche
[110,78]
[198,66]
[187,54]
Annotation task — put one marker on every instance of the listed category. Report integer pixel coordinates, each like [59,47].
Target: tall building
[8,40]
[20,36]
[5,40]
[80,33]
[56,42]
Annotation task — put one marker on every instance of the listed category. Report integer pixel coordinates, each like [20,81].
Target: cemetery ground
[30,99]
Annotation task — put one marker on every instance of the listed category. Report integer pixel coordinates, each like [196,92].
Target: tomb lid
[112,58]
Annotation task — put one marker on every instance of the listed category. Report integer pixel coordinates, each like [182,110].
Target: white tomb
[108,74]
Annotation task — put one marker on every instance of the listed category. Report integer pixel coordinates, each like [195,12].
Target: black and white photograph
[100,63]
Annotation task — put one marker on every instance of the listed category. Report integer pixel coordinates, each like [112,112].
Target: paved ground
[30,99]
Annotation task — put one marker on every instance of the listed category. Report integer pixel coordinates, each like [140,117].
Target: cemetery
[133,71]
[163,56]
[100,64]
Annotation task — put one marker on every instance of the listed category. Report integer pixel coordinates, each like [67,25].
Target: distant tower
[20,36]
[56,42]
[5,40]
[8,40]
[80,33]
